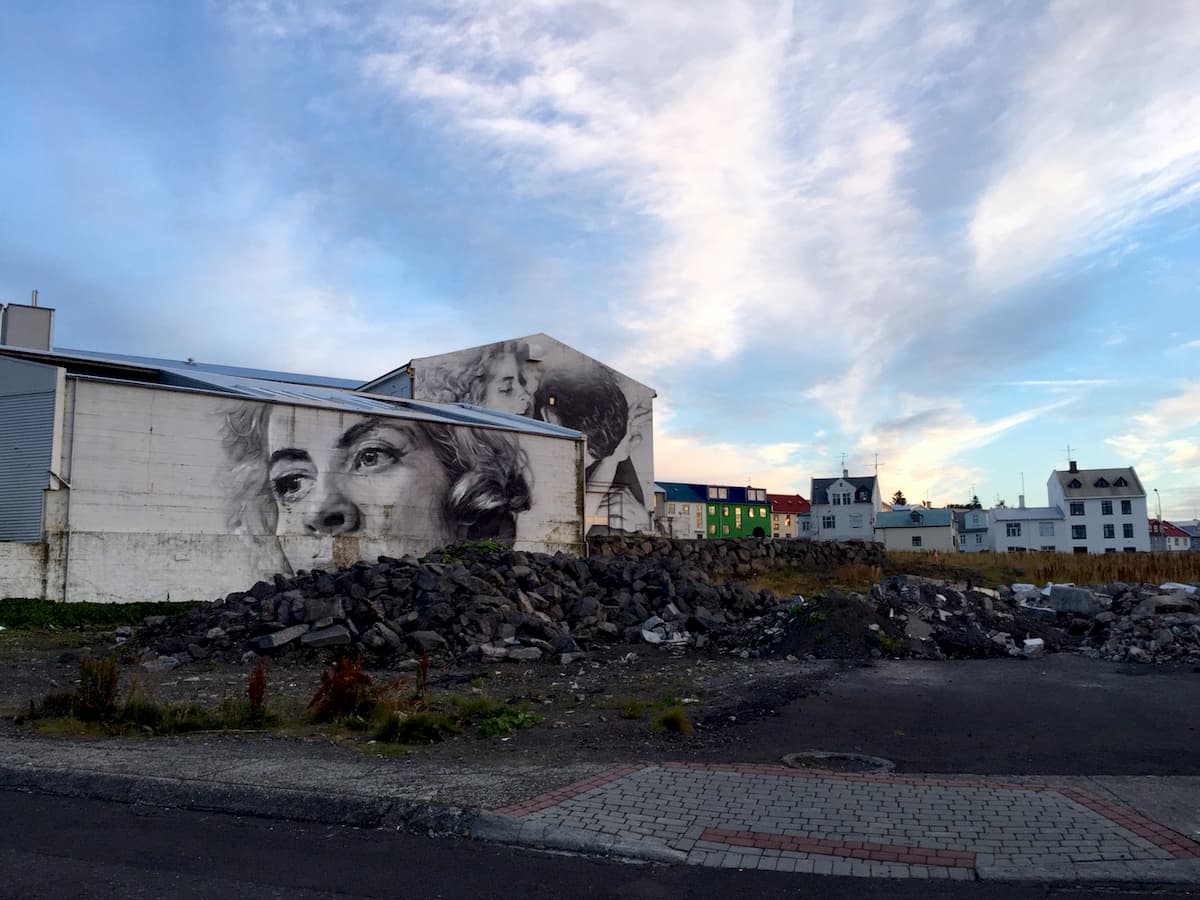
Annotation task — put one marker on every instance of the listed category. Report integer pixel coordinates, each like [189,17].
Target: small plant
[816,618]
[508,721]
[674,720]
[417,728]
[796,610]
[256,688]
[346,690]
[422,676]
[633,708]
[886,642]
[96,697]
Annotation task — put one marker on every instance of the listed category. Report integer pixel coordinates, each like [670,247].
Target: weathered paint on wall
[22,569]
[542,378]
[164,501]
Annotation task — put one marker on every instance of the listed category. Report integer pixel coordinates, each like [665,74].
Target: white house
[917,528]
[1027,528]
[1105,509]
[974,530]
[844,508]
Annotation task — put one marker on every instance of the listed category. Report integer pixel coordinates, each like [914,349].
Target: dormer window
[1101,482]
[1120,482]
[1075,483]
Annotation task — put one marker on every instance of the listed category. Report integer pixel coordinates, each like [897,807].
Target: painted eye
[374,458]
[287,486]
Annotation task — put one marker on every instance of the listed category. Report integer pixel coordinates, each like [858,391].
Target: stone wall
[742,556]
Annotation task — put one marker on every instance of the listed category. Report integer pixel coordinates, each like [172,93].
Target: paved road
[54,847]
[1059,715]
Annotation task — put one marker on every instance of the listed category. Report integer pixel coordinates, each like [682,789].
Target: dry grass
[789,581]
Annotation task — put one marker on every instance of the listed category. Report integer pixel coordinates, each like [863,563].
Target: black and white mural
[309,488]
[545,379]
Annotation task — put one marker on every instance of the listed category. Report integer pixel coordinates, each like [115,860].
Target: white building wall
[855,521]
[940,538]
[685,520]
[153,501]
[1093,520]
[1031,536]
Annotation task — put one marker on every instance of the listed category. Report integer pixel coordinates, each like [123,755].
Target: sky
[947,240]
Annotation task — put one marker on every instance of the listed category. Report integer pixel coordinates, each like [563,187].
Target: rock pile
[462,601]
[741,557]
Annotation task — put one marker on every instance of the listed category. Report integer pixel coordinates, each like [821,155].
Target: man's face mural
[374,477]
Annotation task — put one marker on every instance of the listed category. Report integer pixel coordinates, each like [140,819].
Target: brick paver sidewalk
[772,817]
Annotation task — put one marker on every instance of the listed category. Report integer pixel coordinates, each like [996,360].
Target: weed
[796,610]
[96,698]
[256,688]
[346,690]
[422,676]
[416,728]
[816,618]
[633,708]
[53,706]
[475,709]
[508,721]
[886,642]
[675,720]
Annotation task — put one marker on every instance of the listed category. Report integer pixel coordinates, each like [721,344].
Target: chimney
[845,473]
[1020,501]
[1073,466]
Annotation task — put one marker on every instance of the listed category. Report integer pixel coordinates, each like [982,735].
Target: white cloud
[1105,133]
[1164,445]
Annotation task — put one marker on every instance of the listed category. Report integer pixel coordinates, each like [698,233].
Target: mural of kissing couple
[541,378]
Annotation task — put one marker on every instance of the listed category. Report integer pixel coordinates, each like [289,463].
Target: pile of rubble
[469,602]
[460,602]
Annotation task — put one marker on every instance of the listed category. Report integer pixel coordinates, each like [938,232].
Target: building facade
[541,378]
[789,515]
[917,528]
[684,513]
[734,511]
[974,530]
[1027,528]
[1167,537]
[1105,509]
[844,509]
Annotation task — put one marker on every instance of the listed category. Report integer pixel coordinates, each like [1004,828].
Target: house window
[856,520]
[1121,482]
[1101,482]
[685,509]
[1106,507]
[722,493]
[1110,531]
[1081,549]
[724,529]
[724,510]
[712,529]
[1045,529]
[737,516]
[1127,507]
[916,541]
[1110,549]
[712,510]
[835,499]
[1127,530]
[978,539]
[1012,529]
[828,521]
[712,493]
[1075,484]
[1079,533]
[787,521]
[1077,509]
[806,525]
[670,509]
[1131,549]
[1048,548]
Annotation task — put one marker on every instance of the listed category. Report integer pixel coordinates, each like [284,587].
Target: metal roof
[1024,513]
[1088,486]
[917,517]
[677,491]
[211,368]
[788,503]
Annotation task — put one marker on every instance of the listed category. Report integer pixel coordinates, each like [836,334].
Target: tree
[975,504]
[898,499]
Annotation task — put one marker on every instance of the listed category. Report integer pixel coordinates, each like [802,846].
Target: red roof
[1168,529]
[788,503]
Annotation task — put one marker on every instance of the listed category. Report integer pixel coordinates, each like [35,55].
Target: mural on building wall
[563,387]
[303,483]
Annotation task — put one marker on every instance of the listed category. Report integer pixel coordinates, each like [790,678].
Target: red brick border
[1173,842]
[915,856]
[550,798]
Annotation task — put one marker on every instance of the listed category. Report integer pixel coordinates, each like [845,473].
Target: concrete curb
[236,799]
[1140,871]
[504,829]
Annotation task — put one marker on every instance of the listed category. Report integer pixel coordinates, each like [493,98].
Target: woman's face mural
[374,477]
[507,389]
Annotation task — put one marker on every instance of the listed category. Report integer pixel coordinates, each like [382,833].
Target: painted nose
[335,515]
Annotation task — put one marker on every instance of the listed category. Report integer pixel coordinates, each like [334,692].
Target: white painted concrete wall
[940,538]
[1094,520]
[22,569]
[152,494]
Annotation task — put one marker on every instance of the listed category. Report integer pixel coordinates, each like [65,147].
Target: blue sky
[961,236]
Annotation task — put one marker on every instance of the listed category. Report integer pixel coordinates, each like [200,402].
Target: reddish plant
[256,690]
[346,690]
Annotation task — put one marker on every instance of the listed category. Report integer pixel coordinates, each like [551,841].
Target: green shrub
[96,697]
[676,720]
[507,721]
[417,728]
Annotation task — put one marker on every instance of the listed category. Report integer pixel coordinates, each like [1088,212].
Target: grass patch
[42,614]
[788,581]
[492,718]
[674,720]
[415,728]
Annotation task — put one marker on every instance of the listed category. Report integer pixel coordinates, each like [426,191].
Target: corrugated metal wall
[26,441]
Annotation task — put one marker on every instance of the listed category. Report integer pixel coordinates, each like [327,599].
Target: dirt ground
[604,708]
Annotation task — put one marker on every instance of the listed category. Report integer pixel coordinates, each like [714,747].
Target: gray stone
[279,638]
[1079,601]
[493,651]
[160,664]
[525,653]
[332,636]
[426,640]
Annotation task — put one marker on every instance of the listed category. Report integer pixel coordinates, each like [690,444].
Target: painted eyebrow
[290,454]
[354,432]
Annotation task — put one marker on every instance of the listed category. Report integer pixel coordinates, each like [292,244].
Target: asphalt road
[1061,715]
[57,848]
